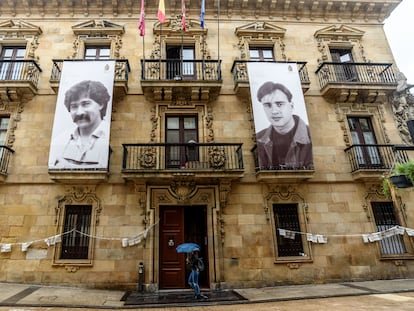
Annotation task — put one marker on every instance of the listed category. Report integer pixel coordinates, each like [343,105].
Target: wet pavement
[368,295]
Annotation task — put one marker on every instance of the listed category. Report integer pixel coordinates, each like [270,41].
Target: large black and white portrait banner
[81,127]
[280,117]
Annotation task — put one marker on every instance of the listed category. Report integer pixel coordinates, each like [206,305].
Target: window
[362,133]
[97,52]
[4,125]
[286,217]
[180,63]
[346,71]
[75,240]
[181,130]
[385,219]
[11,65]
[261,53]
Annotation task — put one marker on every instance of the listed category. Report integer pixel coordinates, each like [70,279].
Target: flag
[141,25]
[202,14]
[183,12]
[161,11]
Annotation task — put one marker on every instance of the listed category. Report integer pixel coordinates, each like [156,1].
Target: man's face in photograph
[277,108]
[85,112]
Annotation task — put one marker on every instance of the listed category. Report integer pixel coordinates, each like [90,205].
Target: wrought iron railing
[371,73]
[191,156]
[240,74]
[374,157]
[5,155]
[181,69]
[122,68]
[20,70]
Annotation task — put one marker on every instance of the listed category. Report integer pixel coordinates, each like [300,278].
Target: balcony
[348,82]
[241,77]
[202,162]
[5,155]
[18,80]
[368,162]
[181,80]
[280,174]
[122,70]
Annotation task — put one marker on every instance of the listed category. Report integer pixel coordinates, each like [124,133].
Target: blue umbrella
[187,248]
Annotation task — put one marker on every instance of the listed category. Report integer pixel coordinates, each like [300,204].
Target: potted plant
[401,176]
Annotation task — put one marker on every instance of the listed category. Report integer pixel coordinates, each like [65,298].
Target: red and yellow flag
[161,11]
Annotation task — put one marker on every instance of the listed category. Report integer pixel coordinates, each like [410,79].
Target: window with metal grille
[286,217]
[385,219]
[75,241]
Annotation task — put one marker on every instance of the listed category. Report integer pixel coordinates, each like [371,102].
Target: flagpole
[218,39]
[159,61]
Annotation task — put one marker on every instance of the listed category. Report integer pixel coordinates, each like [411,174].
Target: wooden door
[179,224]
[172,265]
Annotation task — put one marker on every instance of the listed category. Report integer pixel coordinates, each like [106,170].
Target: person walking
[193,259]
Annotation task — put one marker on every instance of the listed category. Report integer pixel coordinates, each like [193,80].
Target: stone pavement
[26,295]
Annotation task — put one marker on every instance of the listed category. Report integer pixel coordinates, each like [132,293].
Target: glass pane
[268,54]
[190,135]
[254,54]
[104,52]
[20,53]
[369,138]
[189,123]
[188,54]
[364,124]
[4,123]
[8,53]
[351,123]
[90,52]
[173,123]
[173,136]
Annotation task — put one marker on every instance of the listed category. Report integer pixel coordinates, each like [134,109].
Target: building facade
[182,158]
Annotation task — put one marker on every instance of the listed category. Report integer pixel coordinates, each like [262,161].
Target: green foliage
[405,168]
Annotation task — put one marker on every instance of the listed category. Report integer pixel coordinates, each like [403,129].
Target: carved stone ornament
[148,157]
[183,189]
[284,194]
[217,157]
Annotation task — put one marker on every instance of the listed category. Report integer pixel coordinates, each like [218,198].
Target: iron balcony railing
[20,70]
[181,69]
[240,74]
[191,156]
[370,73]
[122,68]
[5,155]
[374,157]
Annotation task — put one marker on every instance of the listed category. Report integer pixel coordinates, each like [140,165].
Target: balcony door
[362,133]
[181,130]
[180,65]
[346,71]
[12,69]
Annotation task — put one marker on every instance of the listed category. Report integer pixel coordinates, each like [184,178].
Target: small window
[11,66]
[261,53]
[77,225]
[384,216]
[286,217]
[97,52]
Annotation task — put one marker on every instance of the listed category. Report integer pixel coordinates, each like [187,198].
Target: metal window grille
[75,245]
[286,217]
[385,219]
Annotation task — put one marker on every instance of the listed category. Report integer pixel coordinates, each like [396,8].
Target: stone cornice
[298,9]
